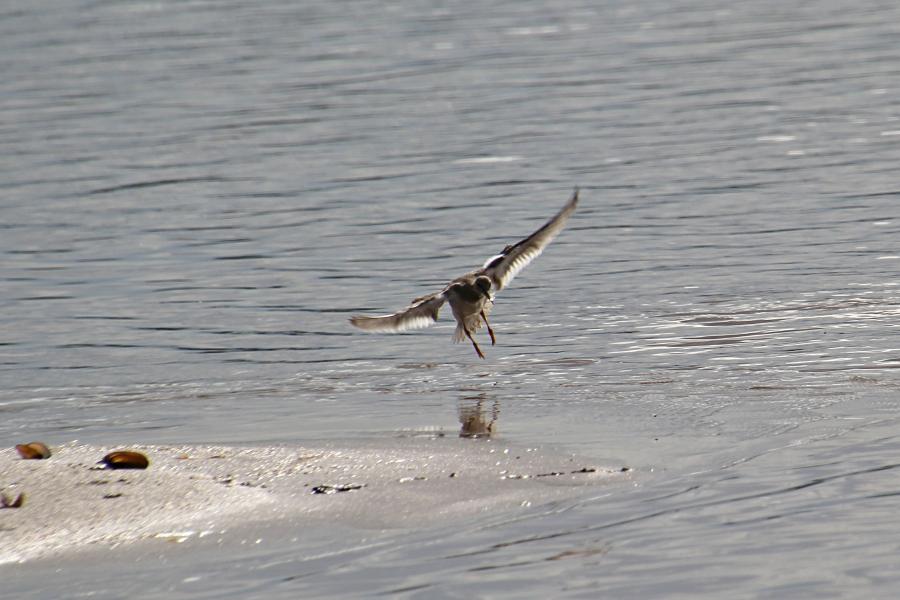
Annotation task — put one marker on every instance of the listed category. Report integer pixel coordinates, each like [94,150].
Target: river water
[196,195]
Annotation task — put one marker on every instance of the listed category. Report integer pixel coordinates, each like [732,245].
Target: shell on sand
[125,459]
[10,502]
[33,450]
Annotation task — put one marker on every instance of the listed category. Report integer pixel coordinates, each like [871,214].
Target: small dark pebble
[585,470]
[115,495]
[454,474]
[550,474]
[624,469]
[334,489]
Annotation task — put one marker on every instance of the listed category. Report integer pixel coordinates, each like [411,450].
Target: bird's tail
[474,324]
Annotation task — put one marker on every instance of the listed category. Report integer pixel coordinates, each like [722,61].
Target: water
[196,196]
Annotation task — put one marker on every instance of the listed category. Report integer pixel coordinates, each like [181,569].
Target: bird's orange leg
[477,349]
[490,331]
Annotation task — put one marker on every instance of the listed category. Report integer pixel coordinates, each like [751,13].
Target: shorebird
[471,296]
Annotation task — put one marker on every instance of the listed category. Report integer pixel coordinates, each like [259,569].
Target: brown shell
[125,459]
[33,450]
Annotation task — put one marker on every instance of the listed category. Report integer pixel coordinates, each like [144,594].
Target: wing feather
[506,265]
[423,312]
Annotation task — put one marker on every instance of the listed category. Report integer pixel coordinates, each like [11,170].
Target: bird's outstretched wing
[421,313]
[506,265]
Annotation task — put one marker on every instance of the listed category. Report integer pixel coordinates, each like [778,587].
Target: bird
[471,296]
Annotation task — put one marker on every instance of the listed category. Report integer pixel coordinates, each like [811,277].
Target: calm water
[194,197]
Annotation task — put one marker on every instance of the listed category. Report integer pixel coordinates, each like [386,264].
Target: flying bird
[471,296]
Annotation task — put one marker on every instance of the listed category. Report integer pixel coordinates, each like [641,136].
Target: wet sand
[189,492]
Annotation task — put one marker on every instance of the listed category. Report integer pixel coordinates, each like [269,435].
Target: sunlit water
[195,197]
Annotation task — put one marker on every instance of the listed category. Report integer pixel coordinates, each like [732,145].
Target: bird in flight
[471,296]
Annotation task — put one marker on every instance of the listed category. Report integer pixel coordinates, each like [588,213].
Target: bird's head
[484,285]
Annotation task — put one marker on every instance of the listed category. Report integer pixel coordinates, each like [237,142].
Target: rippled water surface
[195,196]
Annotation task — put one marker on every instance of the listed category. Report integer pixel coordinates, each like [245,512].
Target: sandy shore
[189,492]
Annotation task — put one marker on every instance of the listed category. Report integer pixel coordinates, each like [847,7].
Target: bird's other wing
[421,313]
[506,265]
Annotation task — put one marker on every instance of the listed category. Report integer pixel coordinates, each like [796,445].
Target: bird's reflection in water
[474,418]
